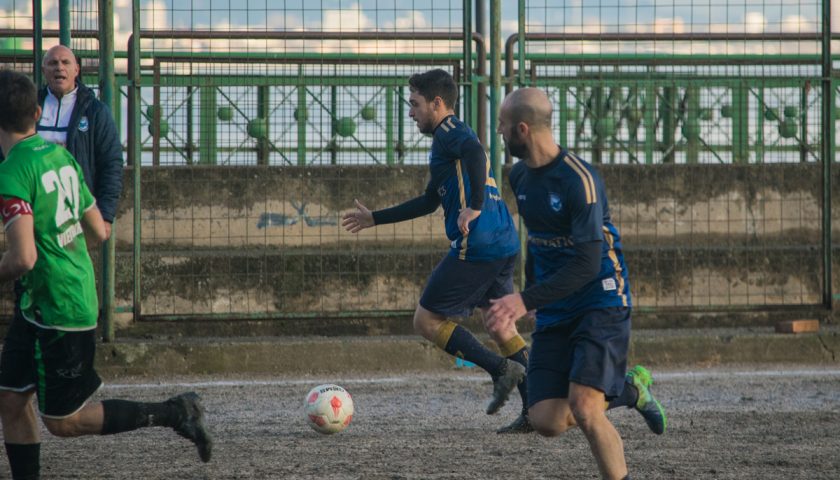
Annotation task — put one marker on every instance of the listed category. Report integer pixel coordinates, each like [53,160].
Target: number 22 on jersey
[66,182]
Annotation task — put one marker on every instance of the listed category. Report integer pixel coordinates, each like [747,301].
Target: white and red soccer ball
[328,408]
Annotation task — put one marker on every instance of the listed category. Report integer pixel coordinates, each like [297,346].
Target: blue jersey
[563,204]
[492,235]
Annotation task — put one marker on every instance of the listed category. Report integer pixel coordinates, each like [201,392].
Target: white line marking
[688,375]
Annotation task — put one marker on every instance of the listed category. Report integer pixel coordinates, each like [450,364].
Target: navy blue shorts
[57,365]
[590,350]
[457,286]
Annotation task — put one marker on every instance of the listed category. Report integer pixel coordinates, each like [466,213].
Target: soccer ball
[328,408]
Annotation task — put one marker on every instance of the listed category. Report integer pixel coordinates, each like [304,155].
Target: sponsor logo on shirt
[608,284]
[521,197]
[442,191]
[83,124]
[554,201]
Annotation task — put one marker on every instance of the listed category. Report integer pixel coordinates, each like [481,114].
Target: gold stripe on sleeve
[585,176]
[463,198]
[616,265]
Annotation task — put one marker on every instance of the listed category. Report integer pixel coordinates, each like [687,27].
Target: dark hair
[435,83]
[18,102]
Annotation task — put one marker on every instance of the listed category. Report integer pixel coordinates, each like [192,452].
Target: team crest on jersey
[84,124]
[554,201]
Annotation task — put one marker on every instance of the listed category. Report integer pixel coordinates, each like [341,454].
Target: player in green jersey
[47,211]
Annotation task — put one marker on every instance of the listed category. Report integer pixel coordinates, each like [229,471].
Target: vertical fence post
[64,22]
[106,93]
[333,116]
[759,128]
[207,122]
[37,42]
[190,139]
[691,124]
[741,124]
[669,123]
[263,99]
[401,147]
[650,121]
[389,125]
[496,85]
[467,114]
[301,124]
[828,99]
[135,152]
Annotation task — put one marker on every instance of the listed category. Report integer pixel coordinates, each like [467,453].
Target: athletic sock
[24,460]
[459,342]
[515,349]
[628,398]
[125,415]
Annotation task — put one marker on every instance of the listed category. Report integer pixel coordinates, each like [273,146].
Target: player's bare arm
[21,254]
[357,220]
[94,226]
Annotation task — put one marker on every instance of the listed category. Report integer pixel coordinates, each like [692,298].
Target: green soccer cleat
[650,408]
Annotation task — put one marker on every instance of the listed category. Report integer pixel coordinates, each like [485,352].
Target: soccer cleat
[650,408]
[521,425]
[512,374]
[191,423]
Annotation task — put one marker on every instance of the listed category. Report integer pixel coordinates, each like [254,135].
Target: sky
[661,16]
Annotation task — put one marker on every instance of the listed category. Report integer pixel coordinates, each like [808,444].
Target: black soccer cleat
[191,423]
[512,374]
[521,425]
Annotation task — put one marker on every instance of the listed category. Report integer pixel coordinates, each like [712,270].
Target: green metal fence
[256,126]
[698,83]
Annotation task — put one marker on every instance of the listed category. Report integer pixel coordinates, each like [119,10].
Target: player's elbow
[26,262]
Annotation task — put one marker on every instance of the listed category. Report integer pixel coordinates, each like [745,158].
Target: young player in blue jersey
[578,284]
[484,244]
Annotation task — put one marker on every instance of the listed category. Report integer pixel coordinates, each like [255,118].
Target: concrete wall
[245,240]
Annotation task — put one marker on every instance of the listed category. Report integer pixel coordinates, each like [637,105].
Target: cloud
[755,22]
[414,20]
[345,20]
[798,24]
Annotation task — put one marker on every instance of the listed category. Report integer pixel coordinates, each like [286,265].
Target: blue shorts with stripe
[458,286]
[589,350]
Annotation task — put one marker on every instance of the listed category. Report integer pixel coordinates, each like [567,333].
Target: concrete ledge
[324,355]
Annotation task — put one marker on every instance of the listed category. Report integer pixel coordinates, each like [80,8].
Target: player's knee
[420,326]
[550,429]
[63,427]
[549,426]
[585,411]
[13,403]
[426,327]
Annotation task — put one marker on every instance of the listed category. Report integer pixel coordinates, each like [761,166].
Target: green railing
[211,114]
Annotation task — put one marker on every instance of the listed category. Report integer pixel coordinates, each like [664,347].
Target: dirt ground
[735,423]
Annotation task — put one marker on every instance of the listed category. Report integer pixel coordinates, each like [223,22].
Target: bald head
[530,106]
[57,51]
[60,70]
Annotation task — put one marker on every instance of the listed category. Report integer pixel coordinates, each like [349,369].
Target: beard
[516,147]
[426,128]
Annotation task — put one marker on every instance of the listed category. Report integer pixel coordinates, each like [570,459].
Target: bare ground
[735,423]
